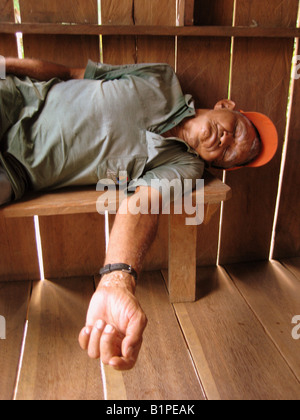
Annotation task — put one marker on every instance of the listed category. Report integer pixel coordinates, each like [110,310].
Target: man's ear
[225,103]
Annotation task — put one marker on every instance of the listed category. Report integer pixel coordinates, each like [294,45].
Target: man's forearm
[132,235]
[41,70]
[115,320]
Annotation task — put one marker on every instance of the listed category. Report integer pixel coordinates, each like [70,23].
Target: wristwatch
[125,268]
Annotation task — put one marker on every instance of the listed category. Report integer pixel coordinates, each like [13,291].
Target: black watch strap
[119,267]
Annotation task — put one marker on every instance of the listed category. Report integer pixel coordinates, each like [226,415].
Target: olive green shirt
[56,134]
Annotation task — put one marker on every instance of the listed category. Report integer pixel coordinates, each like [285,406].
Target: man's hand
[115,323]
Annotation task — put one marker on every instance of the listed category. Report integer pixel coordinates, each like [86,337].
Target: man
[63,127]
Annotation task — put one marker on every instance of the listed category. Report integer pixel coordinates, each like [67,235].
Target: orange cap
[269,139]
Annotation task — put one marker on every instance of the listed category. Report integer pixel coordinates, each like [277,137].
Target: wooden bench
[182,238]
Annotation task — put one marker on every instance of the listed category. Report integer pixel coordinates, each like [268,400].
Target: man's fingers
[134,333]
[126,363]
[131,344]
[84,337]
[94,343]
[110,345]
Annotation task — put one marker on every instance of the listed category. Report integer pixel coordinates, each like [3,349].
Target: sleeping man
[63,127]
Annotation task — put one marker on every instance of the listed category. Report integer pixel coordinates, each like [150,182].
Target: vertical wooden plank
[54,367]
[18,250]
[155,12]
[118,49]
[203,69]
[182,259]
[69,50]
[260,82]
[8,44]
[287,239]
[117,13]
[72,245]
[189,12]
[14,299]
[157,256]
[213,12]
[17,238]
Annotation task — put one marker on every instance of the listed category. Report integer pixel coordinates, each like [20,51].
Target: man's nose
[227,138]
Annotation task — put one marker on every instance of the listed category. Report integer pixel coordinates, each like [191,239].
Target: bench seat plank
[83,200]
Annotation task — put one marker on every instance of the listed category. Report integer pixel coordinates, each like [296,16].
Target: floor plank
[273,294]
[237,359]
[14,297]
[293,265]
[164,370]
[54,367]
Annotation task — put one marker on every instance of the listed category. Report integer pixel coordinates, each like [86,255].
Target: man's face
[223,137]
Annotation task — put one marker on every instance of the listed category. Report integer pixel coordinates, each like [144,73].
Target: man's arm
[115,321]
[41,70]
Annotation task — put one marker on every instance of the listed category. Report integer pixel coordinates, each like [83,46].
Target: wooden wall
[253,71]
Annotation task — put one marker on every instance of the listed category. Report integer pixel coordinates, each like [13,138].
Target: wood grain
[54,367]
[14,299]
[18,251]
[164,370]
[275,13]
[150,30]
[155,49]
[198,68]
[293,265]
[8,44]
[73,245]
[182,260]
[234,357]
[260,82]
[157,256]
[84,200]
[188,13]
[273,294]
[70,257]
[68,50]
[287,237]
[15,235]
[118,49]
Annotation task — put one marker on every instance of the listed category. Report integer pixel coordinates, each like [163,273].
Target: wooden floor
[235,342]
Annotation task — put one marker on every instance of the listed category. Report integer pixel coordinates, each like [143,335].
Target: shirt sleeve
[11,104]
[99,71]
[174,178]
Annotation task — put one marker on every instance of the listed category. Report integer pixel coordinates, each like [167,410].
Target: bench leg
[182,260]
